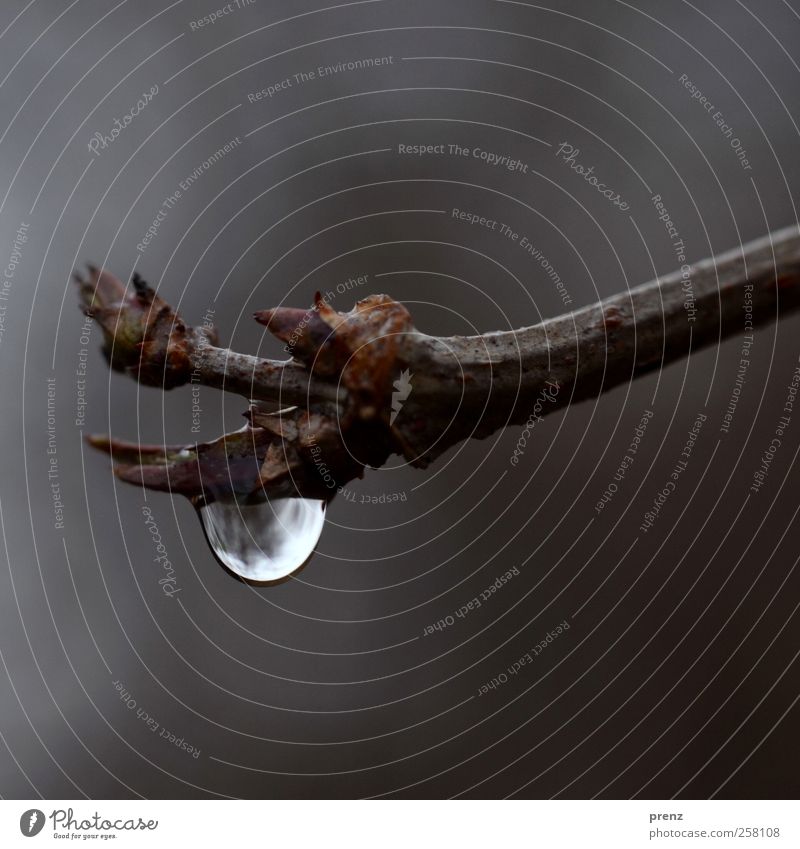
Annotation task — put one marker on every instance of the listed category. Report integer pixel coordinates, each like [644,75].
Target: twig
[344,367]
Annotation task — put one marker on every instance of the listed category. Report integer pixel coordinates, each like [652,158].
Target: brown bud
[142,333]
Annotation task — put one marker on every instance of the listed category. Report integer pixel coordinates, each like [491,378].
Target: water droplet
[263,542]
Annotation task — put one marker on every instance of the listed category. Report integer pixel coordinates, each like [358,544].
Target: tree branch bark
[344,367]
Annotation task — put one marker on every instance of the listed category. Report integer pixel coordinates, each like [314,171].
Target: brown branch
[345,367]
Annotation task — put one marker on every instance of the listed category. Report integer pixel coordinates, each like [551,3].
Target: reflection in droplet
[267,541]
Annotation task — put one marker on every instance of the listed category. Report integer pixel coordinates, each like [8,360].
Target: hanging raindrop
[263,542]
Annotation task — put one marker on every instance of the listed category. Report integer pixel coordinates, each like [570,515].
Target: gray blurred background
[678,673]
